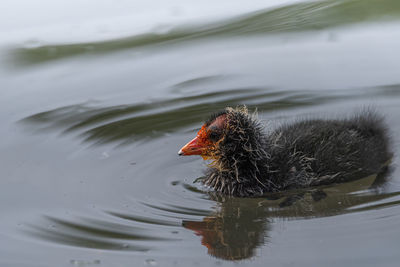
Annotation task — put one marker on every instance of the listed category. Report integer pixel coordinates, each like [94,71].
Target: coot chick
[246,161]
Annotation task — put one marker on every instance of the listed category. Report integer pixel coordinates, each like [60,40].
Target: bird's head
[208,138]
[229,133]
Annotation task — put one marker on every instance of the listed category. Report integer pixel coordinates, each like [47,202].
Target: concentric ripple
[231,231]
[127,123]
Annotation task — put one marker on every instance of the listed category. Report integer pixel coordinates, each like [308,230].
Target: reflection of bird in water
[234,232]
[241,225]
[248,162]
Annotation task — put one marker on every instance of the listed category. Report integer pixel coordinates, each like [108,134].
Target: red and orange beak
[194,147]
[198,146]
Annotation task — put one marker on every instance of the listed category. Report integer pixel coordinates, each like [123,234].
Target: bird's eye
[214,135]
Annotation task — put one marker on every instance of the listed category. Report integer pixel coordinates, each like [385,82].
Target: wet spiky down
[249,162]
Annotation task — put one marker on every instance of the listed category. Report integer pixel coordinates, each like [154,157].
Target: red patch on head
[202,135]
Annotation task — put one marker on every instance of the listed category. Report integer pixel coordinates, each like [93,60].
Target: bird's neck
[238,169]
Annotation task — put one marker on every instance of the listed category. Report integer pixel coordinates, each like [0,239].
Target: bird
[248,161]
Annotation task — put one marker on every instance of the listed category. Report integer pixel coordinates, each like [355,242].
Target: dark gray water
[96,99]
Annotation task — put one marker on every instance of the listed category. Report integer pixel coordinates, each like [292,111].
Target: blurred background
[97,97]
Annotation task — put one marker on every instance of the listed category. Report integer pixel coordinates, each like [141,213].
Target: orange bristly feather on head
[202,135]
[210,152]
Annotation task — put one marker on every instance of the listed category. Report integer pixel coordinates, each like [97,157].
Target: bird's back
[315,152]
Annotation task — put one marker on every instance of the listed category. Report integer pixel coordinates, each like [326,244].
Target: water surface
[97,98]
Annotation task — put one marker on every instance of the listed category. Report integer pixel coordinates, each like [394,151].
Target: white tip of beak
[180,152]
